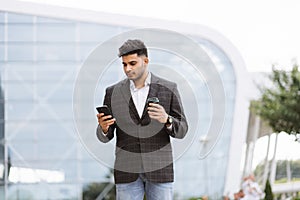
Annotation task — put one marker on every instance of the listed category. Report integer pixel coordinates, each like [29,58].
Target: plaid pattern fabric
[142,147]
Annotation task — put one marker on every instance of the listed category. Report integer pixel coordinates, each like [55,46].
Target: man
[251,188]
[143,163]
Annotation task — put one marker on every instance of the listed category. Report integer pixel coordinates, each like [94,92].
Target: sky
[265,32]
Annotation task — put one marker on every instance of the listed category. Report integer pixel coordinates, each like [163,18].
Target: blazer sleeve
[110,134]
[179,125]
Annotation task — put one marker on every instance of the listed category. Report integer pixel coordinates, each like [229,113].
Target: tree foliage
[268,191]
[279,105]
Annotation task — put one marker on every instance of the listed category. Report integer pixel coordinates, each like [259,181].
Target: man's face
[134,66]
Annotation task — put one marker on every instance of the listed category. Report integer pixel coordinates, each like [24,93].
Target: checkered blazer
[143,145]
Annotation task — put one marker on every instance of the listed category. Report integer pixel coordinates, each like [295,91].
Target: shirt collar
[147,82]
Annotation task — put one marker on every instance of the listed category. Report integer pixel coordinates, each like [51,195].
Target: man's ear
[146,60]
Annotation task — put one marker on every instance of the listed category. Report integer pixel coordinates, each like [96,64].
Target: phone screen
[104,109]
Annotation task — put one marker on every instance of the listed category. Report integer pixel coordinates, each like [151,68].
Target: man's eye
[132,63]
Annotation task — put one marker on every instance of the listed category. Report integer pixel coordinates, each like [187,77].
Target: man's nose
[128,68]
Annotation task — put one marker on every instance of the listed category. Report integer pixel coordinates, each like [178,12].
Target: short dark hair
[133,46]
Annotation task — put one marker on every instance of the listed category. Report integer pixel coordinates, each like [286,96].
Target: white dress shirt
[139,95]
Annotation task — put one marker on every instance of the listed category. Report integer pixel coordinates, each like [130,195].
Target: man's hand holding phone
[105,118]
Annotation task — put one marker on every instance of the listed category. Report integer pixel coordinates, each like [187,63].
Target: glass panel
[52,111]
[19,18]
[86,49]
[19,91]
[70,66]
[92,171]
[20,52]
[17,130]
[56,32]
[19,32]
[24,152]
[1,33]
[62,109]
[70,168]
[2,17]
[96,33]
[56,75]
[43,191]
[19,71]
[55,91]
[56,149]
[40,130]
[55,52]
[2,49]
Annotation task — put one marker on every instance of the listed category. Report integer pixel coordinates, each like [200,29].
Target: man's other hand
[157,112]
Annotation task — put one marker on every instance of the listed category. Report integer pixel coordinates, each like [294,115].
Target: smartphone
[152,100]
[104,109]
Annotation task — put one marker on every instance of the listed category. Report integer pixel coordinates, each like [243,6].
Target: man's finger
[106,117]
[100,115]
[154,105]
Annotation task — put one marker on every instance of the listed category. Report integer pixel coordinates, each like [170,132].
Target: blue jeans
[136,190]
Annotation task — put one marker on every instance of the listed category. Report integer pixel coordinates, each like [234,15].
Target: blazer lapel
[125,90]
[153,91]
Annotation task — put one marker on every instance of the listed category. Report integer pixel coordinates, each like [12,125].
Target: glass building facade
[41,154]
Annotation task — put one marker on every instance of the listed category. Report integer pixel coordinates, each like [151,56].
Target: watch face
[170,120]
